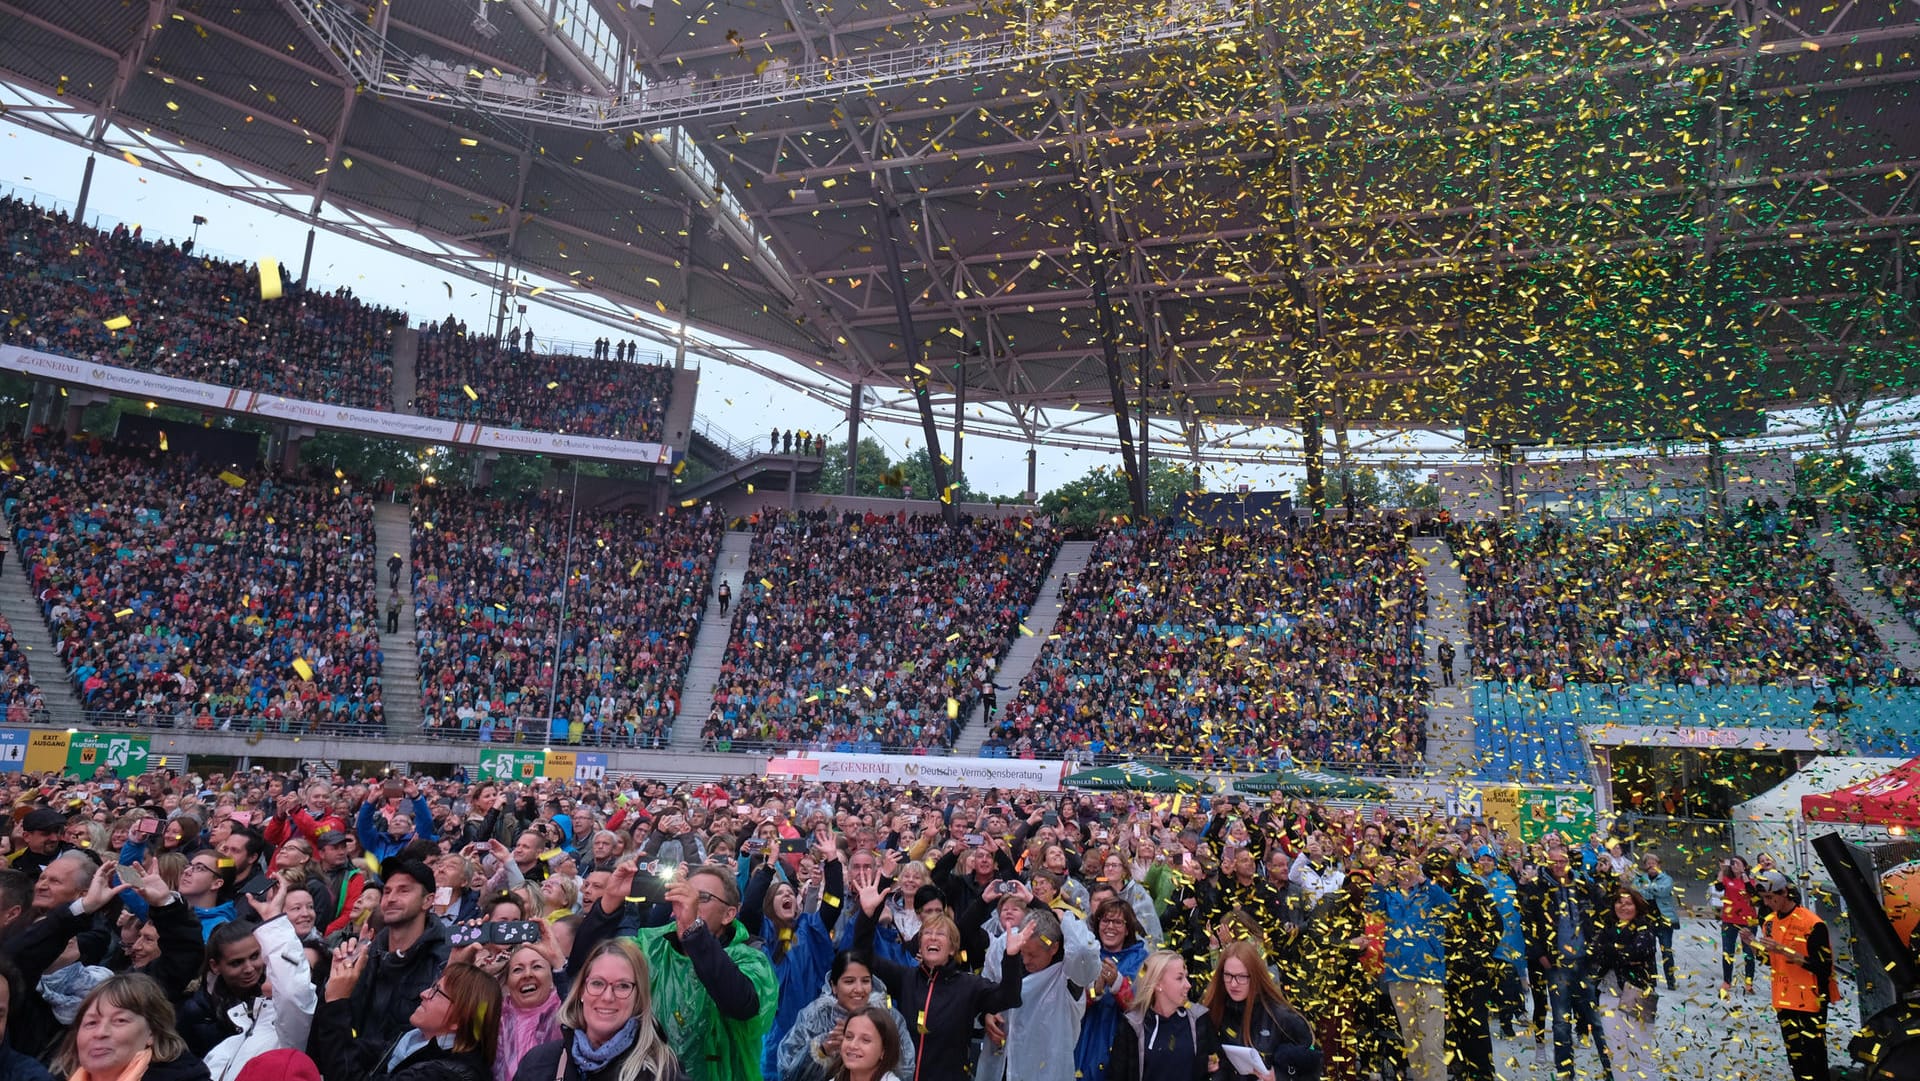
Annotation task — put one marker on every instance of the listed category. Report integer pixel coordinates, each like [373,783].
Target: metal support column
[959,424]
[1717,479]
[686,289]
[889,213]
[86,188]
[1110,353]
[306,258]
[851,485]
[1033,474]
[1509,498]
[1306,414]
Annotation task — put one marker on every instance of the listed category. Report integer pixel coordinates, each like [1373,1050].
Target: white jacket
[278,1018]
[1042,1030]
[1317,884]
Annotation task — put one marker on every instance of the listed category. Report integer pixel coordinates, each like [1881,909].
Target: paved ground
[1700,1036]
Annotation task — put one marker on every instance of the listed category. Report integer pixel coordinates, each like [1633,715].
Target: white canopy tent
[1771,822]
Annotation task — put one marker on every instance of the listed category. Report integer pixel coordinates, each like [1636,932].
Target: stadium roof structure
[1375,214]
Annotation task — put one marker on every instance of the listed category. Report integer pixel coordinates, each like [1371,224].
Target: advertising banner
[928,770]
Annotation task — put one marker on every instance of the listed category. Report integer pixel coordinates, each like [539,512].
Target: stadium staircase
[400,671]
[710,648]
[406,376]
[1864,594]
[1451,751]
[733,461]
[30,630]
[1070,559]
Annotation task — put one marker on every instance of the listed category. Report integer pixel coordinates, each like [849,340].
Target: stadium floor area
[1700,1036]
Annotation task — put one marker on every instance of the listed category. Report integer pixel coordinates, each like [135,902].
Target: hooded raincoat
[1043,1029]
[715,999]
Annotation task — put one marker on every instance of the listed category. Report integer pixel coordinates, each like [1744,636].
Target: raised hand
[272,904]
[829,847]
[348,961]
[1017,938]
[100,889]
[686,904]
[619,885]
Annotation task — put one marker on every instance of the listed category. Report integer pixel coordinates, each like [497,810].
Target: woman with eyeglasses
[608,1027]
[454,1033]
[1117,927]
[1248,1009]
[712,987]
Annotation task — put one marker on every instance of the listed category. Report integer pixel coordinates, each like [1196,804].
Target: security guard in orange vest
[1796,944]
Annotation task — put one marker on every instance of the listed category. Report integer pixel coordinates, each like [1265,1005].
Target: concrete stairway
[406,380]
[1451,754]
[400,674]
[30,630]
[1864,594]
[1071,559]
[710,648]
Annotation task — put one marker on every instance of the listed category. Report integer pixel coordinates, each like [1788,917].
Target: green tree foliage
[833,470]
[1100,494]
[1397,487]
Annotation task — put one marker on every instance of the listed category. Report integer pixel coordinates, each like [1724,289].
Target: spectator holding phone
[798,944]
[449,1034]
[531,1012]
[712,987]
[405,958]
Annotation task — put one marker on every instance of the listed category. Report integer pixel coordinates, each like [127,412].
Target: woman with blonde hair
[1162,1036]
[607,1026]
[125,1032]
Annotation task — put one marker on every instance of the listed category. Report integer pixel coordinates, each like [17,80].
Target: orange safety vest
[1795,986]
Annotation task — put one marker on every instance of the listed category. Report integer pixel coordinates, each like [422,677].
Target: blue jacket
[1415,947]
[1103,1016]
[1513,936]
[808,959]
[383,846]
[15,1066]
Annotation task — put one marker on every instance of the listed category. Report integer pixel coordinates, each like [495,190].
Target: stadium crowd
[440,930]
[20,696]
[488,590]
[1660,601]
[465,376]
[1233,644]
[191,316]
[179,596]
[872,632]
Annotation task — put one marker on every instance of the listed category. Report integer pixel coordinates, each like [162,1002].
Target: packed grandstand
[182,592]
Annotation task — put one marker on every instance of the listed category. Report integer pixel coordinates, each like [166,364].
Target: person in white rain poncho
[1034,1041]
[283,1016]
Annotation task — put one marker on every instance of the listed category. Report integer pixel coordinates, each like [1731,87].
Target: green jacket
[715,1002]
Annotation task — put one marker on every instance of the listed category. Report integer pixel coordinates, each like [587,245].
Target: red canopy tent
[1891,799]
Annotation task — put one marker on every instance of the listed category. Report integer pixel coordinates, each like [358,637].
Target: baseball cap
[1773,882]
[330,837]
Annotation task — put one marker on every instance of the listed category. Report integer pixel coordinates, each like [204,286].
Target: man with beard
[405,958]
[42,833]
